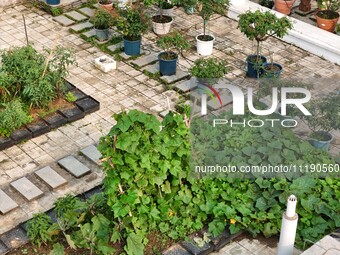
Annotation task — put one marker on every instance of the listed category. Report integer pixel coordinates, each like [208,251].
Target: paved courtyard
[125,88]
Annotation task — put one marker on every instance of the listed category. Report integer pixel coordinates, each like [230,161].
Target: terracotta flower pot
[327,20]
[108,6]
[284,6]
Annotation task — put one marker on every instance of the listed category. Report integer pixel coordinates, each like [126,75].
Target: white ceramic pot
[237,2]
[205,48]
[161,28]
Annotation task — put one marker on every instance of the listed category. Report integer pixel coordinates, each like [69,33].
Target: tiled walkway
[129,88]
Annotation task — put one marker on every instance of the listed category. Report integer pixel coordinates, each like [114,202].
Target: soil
[205,38]
[272,68]
[161,19]
[168,56]
[57,104]
[328,14]
[254,59]
[157,243]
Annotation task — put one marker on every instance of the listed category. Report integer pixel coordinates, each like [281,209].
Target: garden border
[48,123]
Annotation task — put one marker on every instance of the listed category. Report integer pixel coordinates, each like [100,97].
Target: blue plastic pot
[102,34]
[254,70]
[167,67]
[132,48]
[53,2]
[270,73]
[323,145]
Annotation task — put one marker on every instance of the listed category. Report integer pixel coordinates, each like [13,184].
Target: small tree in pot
[132,22]
[208,70]
[206,8]
[259,26]
[328,16]
[161,23]
[325,117]
[102,21]
[172,45]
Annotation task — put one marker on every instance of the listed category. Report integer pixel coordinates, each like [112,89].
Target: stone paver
[186,86]
[90,33]
[6,203]
[26,188]
[115,47]
[88,11]
[146,60]
[3,248]
[75,15]
[51,177]
[74,166]
[154,68]
[81,26]
[63,20]
[176,77]
[92,153]
[327,245]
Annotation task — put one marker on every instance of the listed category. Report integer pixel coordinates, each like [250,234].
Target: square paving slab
[75,15]
[51,177]
[176,77]
[81,26]
[6,203]
[88,11]
[92,153]
[63,20]
[26,188]
[146,60]
[14,238]
[74,166]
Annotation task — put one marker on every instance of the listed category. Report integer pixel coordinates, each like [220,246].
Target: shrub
[172,44]
[38,229]
[12,117]
[209,68]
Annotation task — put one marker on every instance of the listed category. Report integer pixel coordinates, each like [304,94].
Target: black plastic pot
[167,66]
[254,70]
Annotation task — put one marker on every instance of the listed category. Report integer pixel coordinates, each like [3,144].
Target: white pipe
[288,228]
[204,104]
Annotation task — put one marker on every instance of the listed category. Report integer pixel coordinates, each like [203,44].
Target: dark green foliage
[38,229]
[209,68]
[12,117]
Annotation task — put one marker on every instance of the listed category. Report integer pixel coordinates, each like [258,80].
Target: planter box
[72,114]
[5,142]
[68,86]
[88,104]
[38,128]
[78,94]
[55,120]
[105,64]
[21,135]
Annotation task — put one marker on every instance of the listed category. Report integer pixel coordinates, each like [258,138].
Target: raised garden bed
[70,112]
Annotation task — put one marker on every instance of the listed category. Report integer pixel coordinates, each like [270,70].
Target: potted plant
[206,8]
[167,8]
[161,23]
[259,26]
[325,117]
[106,5]
[284,6]
[208,70]
[267,3]
[101,22]
[328,16]
[271,69]
[53,2]
[132,22]
[172,45]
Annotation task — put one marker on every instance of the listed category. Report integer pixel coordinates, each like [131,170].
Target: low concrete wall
[303,35]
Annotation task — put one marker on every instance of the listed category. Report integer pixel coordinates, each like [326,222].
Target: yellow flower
[232,221]
[171,213]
